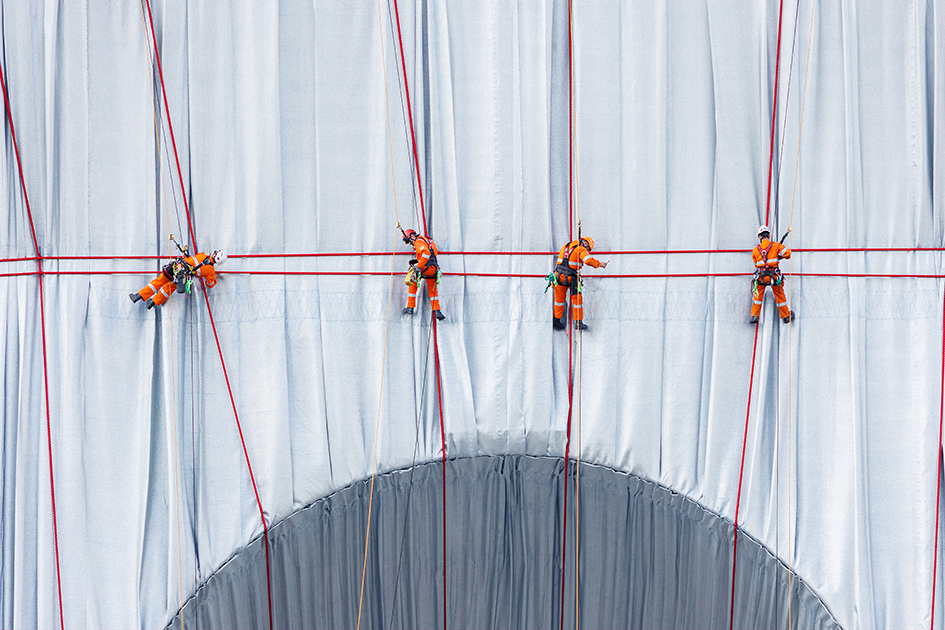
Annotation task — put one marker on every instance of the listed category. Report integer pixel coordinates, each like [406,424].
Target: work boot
[789,318]
[149,303]
[408,310]
[558,324]
[439,315]
[753,319]
[580,325]
[135,297]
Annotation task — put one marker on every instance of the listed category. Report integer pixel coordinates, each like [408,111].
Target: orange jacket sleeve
[205,271]
[586,258]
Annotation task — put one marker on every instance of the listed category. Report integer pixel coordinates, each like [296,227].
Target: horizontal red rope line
[920,276]
[628,252]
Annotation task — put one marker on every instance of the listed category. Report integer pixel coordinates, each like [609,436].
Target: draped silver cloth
[280,113]
[648,558]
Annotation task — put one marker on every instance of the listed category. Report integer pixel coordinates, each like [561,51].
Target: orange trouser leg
[780,301]
[153,287]
[561,296]
[412,295]
[577,307]
[164,293]
[434,296]
[757,297]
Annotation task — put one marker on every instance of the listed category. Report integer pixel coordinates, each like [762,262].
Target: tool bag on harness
[183,273]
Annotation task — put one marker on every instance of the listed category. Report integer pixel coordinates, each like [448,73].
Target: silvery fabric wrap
[280,112]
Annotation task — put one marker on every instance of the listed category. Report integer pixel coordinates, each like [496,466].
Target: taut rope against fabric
[774,111]
[790,275]
[193,241]
[436,352]
[390,293]
[741,469]
[42,323]
[572,206]
[170,253]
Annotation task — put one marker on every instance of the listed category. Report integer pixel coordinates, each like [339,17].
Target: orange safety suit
[426,268]
[161,288]
[571,258]
[767,255]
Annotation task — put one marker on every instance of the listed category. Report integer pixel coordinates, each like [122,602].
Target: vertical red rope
[252,478]
[570,131]
[439,399]
[741,470]
[774,112]
[567,447]
[439,392]
[413,137]
[42,321]
[170,126]
[938,476]
[567,455]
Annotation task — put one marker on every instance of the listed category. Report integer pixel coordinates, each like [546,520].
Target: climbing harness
[564,269]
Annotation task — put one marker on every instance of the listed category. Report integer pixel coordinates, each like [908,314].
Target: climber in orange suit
[767,254]
[175,275]
[424,266]
[571,258]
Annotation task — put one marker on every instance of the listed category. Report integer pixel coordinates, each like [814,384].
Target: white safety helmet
[219,256]
[763,230]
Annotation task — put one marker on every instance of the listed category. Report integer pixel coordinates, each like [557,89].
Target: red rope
[567,447]
[741,470]
[938,476]
[239,428]
[482,253]
[439,398]
[413,137]
[570,137]
[567,455]
[774,111]
[423,216]
[193,240]
[42,321]
[918,276]
[170,127]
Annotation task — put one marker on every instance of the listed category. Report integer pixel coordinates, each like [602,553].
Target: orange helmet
[587,242]
[409,234]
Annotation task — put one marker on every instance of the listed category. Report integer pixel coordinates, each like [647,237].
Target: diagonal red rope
[741,470]
[170,126]
[42,321]
[774,112]
[252,477]
[413,137]
[938,476]
[193,241]
[439,393]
